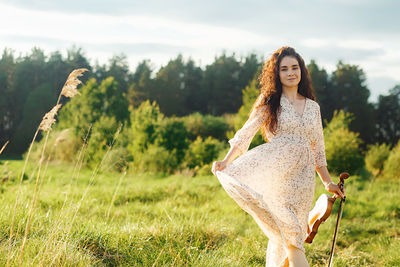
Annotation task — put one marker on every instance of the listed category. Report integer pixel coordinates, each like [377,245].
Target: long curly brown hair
[271,86]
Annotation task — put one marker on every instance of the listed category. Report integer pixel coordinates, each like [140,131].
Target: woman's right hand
[218,166]
[334,188]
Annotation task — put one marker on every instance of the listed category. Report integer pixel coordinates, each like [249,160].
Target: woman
[274,182]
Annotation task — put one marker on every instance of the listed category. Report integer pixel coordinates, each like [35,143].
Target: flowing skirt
[274,183]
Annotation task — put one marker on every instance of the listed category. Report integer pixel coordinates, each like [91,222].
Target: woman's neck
[290,92]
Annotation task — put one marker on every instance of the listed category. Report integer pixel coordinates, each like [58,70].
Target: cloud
[358,32]
[380,86]
[336,17]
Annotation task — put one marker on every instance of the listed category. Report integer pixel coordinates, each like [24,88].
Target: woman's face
[289,72]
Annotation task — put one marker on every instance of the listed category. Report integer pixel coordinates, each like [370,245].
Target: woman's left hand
[334,188]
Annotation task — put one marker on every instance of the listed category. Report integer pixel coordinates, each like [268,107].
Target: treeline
[30,84]
[98,129]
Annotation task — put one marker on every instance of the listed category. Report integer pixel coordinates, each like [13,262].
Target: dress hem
[227,180]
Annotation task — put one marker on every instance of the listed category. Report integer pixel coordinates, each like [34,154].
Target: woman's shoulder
[313,103]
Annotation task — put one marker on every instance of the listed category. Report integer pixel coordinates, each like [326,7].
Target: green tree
[322,89]
[221,85]
[194,97]
[57,70]
[205,125]
[375,157]
[172,135]
[76,59]
[250,66]
[29,75]
[170,88]
[145,121]
[101,139]
[391,167]
[350,93]
[96,101]
[250,94]
[342,146]
[7,111]
[388,117]
[118,68]
[38,103]
[142,85]
[156,145]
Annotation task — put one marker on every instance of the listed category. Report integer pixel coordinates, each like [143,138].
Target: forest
[181,111]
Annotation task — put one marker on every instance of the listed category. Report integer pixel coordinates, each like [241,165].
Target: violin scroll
[343,176]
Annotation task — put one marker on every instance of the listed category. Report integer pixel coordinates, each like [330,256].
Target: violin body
[322,210]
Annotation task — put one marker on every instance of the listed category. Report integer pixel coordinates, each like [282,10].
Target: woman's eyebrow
[294,65]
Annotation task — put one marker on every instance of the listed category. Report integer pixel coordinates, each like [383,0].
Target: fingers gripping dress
[274,182]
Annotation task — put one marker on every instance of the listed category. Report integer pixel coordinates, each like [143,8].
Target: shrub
[101,138]
[204,170]
[145,121]
[61,146]
[342,145]
[376,157]
[202,152]
[173,136]
[156,159]
[205,125]
[392,164]
[117,159]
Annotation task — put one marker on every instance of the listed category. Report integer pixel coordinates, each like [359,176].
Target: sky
[360,32]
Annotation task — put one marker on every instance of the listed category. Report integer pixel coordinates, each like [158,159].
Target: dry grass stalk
[69,89]
[4,146]
[93,175]
[48,119]
[17,199]
[59,225]
[62,137]
[34,198]
[115,195]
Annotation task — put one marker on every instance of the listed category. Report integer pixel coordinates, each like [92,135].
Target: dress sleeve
[244,135]
[318,144]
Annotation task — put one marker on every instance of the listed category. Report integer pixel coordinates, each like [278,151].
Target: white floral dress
[274,182]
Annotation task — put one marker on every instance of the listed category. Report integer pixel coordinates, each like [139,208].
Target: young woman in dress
[274,182]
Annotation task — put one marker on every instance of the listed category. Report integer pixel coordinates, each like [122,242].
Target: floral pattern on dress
[274,182]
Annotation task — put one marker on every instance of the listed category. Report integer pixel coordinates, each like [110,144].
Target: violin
[322,210]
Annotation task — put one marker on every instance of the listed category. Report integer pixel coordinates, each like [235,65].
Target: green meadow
[84,218]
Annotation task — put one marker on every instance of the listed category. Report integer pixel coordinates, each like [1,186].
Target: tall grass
[181,221]
[68,215]
[69,90]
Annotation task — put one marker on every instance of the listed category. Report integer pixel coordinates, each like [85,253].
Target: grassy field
[111,219]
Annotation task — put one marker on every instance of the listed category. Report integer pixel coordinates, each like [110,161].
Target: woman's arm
[324,175]
[232,154]
[318,148]
[241,141]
